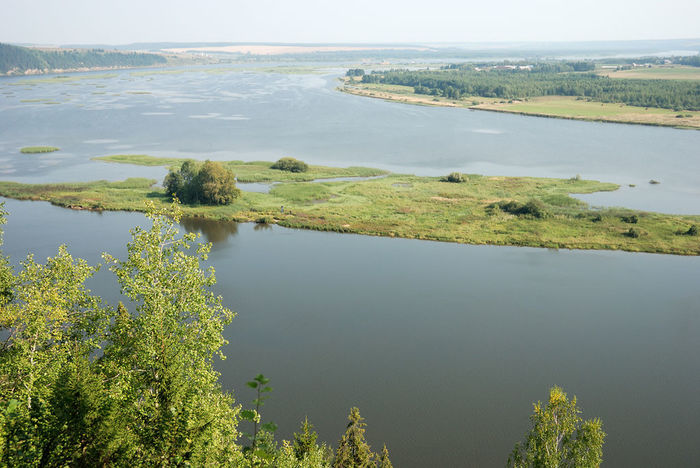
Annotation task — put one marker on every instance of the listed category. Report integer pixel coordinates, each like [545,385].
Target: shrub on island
[290,165]
[209,183]
[454,177]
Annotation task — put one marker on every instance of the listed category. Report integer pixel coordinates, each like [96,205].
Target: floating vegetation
[38,149]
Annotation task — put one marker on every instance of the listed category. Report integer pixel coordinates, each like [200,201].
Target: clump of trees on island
[209,183]
[85,383]
[290,165]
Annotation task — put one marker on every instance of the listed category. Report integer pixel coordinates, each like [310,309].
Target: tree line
[460,81]
[85,383]
[14,59]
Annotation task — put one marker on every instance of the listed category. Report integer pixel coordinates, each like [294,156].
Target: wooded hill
[16,60]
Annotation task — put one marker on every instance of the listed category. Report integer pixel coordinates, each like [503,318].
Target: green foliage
[633,233]
[38,149]
[353,451]
[170,401]
[631,219]
[559,437]
[355,72]
[533,208]
[14,59]
[692,230]
[305,441]
[291,165]
[210,183]
[508,82]
[262,444]
[384,461]
[455,177]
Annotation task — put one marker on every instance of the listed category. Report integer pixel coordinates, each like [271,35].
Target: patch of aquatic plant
[38,149]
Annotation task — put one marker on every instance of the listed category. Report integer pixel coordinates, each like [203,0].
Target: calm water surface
[443,347]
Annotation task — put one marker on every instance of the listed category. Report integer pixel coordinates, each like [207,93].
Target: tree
[53,328]
[559,437]
[305,441]
[353,451]
[216,184]
[211,183]
[161,358]
[384,461]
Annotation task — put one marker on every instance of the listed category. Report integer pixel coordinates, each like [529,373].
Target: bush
[692,231]
[633,233]
[290,165]
[534,208]
[455,177]
[632,219]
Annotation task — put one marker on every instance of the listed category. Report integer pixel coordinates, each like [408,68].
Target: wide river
[443,347]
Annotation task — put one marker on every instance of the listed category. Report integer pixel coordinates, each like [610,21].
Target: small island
[38,149]
[463,208]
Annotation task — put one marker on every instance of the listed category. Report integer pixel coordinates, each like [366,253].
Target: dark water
[443,347]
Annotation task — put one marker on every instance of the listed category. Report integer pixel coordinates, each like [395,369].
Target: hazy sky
[126,21]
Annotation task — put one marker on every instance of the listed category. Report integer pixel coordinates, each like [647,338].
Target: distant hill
[16,60]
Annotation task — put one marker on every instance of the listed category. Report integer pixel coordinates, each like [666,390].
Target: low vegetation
[253,171]
[38,149]
[454,177]
[521,211]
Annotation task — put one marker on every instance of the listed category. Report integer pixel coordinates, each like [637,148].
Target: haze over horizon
[362,21]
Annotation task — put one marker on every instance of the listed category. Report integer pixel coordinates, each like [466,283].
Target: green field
[38,149]
[662,72]
[473,212]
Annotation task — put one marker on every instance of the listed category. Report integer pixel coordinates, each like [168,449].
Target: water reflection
[216,232]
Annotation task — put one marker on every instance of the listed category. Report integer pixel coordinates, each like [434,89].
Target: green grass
[38,149]
[411,207]
[665,72]
[253,171]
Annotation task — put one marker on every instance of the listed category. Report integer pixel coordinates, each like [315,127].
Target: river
[443,347]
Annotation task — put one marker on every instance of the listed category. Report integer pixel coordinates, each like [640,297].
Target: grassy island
[521,211]
[38,149]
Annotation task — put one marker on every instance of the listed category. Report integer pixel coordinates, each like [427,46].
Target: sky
[55,22]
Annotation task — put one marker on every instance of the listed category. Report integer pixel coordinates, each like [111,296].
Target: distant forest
[508,81]
[18,60]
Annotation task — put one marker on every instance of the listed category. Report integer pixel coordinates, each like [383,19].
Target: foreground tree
[353,451]
[559,437]
[160,360]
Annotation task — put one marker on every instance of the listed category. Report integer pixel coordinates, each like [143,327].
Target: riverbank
[518,211]
[562,107]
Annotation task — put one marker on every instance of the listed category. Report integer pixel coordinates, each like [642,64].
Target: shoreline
[442,102]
